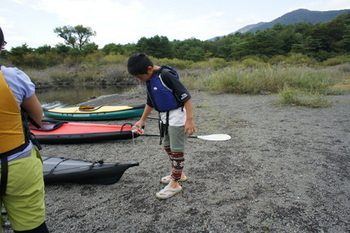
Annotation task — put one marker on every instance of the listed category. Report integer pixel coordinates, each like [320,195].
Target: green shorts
[24,199]
[175,138]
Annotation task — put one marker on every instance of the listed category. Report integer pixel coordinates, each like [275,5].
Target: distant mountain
[300,15]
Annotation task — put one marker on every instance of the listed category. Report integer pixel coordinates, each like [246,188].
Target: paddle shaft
[158,135]
[211,137]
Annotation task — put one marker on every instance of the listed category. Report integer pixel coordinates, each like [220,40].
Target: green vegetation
[302,62]
[303,85]
[295,84]
[291,96]
[327,42]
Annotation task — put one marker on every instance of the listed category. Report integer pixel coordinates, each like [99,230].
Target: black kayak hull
[63,170]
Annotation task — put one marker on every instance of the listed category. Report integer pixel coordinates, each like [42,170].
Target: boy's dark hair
[2,39]
[138,64]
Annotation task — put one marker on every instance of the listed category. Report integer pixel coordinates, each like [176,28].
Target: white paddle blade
[215,137]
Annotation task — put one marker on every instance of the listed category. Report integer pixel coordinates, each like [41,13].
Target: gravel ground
[286,169]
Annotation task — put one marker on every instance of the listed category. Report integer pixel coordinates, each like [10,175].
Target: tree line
[319,41]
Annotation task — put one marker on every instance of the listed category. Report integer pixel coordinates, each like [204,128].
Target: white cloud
[110,19]
[19,1]
[336,4]
[327,5]
[90,11]
[127,21]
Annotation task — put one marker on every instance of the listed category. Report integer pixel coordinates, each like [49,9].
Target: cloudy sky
[126,21]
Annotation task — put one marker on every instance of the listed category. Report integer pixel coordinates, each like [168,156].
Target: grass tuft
[295,97]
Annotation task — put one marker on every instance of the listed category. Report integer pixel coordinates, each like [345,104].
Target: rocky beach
[285,169]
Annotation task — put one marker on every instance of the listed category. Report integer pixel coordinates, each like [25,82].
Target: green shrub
[73,60]
[253,63]
[114,59]
[265,79]
[176,63]
[213,63]
[295,59]
[277,60]
[37,75]
[114,73]
[308,79]
[94,58]
[336,60]
[225,80]
[297,97]
[344,68]
[62,78]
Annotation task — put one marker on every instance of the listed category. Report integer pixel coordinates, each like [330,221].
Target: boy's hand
[138,127]
[189,128]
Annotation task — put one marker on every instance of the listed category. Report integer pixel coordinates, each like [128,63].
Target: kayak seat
[48,125]
[89,108]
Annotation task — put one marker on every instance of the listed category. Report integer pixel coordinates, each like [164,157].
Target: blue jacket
[165,91]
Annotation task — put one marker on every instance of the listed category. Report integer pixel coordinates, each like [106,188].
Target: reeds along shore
[295,75]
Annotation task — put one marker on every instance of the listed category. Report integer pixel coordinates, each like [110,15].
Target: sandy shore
[286,169]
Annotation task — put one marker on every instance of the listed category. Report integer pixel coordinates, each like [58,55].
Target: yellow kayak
[95,112]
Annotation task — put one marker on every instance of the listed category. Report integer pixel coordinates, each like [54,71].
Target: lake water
[69,96]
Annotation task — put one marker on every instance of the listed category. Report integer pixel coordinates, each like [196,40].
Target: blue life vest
[162,97]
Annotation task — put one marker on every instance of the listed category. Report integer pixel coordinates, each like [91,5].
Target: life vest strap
[4,166]
[4,175]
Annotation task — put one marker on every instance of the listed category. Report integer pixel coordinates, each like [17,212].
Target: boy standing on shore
[167,95]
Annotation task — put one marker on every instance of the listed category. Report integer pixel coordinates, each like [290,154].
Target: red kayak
[62,132]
